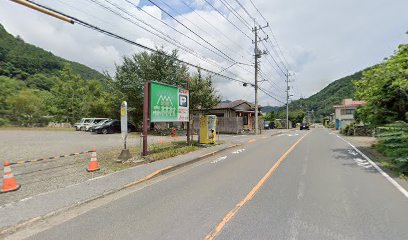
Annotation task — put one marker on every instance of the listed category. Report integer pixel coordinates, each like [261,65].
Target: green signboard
[168,103]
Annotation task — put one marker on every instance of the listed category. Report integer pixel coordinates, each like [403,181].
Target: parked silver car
[86,123]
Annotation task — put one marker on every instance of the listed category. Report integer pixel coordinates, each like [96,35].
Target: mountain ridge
[16,60]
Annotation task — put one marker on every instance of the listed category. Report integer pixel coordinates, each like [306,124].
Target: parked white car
[95,121]
[79,125]
[86,123]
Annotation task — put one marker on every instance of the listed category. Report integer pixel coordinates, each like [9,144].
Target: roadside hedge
[393,143]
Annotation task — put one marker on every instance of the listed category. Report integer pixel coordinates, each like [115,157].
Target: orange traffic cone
[93,164]
[9,182]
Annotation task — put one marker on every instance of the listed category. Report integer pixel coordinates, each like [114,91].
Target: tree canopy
[385,89]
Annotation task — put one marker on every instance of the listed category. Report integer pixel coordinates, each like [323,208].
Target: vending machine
[208,131]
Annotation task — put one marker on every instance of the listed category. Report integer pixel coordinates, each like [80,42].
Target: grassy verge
[108,164]
[159,151]
[384,162]
[170,149]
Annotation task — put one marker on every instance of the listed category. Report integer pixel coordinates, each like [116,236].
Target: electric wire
[239,29]
[193,32]
[236,14]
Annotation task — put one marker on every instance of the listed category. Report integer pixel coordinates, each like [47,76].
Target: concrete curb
[277,133]
[25,223]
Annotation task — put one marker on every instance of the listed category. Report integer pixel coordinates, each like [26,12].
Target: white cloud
[322,40]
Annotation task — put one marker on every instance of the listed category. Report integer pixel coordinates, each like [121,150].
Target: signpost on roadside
[163,103]
[125,154]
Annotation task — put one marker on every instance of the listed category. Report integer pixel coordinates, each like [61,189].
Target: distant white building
[344,113]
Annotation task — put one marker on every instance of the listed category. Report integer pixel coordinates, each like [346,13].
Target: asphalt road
[289,186]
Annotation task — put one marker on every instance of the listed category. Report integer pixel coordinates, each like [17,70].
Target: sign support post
[146,98]
[188,123]
[125,154]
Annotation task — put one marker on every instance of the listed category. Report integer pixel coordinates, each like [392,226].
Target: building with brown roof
[234,117]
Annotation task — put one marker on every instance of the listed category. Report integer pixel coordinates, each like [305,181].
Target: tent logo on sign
[164,107]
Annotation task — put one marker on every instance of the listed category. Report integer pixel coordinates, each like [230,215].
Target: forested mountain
[322,102]
[19,60]
[268,109]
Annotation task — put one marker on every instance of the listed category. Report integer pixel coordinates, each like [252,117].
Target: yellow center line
[213,234]
[151,175]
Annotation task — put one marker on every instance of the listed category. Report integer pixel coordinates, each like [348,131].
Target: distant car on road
[269,125]
[112,126]
[304,126]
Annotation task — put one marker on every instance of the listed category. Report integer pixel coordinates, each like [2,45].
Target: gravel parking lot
[28,144]
[31,144]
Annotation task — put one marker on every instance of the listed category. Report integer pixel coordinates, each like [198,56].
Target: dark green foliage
[20,60]
[268,109]
[294,116]
[202,93]
[385,89]
[139,68]
[393,143]
[322,102]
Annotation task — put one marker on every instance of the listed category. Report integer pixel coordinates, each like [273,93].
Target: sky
[318,41]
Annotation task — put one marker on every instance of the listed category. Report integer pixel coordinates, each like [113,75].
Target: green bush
[4,122]
[393,143]
[348,130]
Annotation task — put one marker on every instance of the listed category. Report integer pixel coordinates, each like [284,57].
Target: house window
[347,111]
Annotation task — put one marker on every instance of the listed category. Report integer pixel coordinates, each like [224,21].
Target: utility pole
[258,54]
[287,100]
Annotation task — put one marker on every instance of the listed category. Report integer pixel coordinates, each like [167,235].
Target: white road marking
[352,152]
[359,160]
[384,174]
[301,190]
[238,151]
[219,159]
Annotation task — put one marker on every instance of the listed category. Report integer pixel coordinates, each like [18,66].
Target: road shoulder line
[384,174]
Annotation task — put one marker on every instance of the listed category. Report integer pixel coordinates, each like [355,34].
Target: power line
[236,14]
[113,35]
[269,94]
[239,29]
[171,41]
[245,10]
[204,40]
[173,28]
[270,29]
[198,27]
[205,20]
[236,62]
